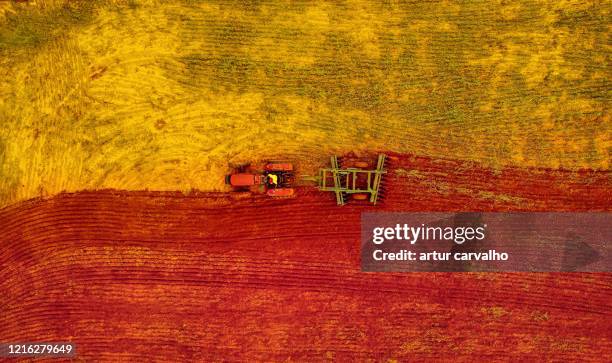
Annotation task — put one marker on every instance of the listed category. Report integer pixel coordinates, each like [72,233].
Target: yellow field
[165,95]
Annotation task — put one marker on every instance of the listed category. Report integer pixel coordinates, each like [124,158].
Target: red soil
[159,276]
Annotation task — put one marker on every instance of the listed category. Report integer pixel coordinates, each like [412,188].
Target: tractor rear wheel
[280,192]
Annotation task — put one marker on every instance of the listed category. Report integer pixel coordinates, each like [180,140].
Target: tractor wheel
[279,167]
[280,192]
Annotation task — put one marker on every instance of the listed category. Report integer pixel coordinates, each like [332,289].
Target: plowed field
[135,276]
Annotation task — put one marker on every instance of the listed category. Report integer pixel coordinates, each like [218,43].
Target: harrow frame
[345,181]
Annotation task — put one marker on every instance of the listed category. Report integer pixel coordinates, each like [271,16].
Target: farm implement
[353,181]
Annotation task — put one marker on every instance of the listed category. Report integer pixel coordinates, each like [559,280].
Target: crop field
[158,95]
[120,118]
[159,276]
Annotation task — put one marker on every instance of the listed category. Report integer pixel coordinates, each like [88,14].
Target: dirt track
[143,275]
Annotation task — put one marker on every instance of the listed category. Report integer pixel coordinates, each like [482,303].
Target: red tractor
[275,180]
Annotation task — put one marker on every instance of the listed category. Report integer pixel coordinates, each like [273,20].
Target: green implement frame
[351,180]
